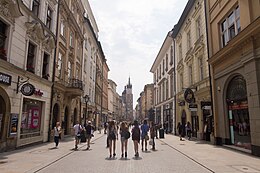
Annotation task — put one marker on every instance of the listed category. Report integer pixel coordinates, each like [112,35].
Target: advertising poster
[14,124]
[35,118]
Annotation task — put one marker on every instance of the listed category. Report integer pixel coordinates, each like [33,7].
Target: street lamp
[86,98]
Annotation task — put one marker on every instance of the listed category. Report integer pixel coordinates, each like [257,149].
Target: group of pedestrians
[139,133]
[145,133]
[184,129]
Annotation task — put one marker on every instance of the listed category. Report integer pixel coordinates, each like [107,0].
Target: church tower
[127,96]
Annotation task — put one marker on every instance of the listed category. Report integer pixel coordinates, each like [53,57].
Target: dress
[136,134]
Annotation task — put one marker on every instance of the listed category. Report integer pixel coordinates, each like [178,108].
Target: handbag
[151,142]
[146,137]
[127,135]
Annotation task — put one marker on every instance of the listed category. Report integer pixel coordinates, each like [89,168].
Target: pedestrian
[77,131]
[57,134]
[180,130]
[188,130]
[88,128]
[125,135]
[144,134]
[112,137]
[136,137]
[152,134]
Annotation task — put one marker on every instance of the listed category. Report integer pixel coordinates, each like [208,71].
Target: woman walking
[144,134]
[112,137]
[57,133]
[136,137]
[125,134]
[152,134]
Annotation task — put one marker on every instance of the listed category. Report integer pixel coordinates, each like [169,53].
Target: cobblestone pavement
[172,155]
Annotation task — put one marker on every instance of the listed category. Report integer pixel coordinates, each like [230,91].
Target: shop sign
[193,107]
[5,79]
[206,107]
[189,95]
[27,89]
[38,92]
[181,103]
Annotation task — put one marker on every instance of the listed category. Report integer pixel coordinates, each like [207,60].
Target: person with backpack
[144,134]
[136,137]
[125,135]
[112,137]
[77,131]
[89,128]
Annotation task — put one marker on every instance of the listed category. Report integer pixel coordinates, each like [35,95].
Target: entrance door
[194,123]
[2,114]
[55,115]
[75,116]
[66,120]
[238,115]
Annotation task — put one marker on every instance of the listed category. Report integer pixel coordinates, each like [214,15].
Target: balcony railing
[75,83]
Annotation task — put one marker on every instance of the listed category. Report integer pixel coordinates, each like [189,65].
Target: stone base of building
[255,150]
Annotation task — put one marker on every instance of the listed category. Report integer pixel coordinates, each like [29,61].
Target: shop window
[3,30]
[31,118]
[45,66]
[36,7]
[31,58]
[49,18]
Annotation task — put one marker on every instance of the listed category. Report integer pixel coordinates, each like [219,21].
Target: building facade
[68,85]
[192,72]
[234,42]
[164,84]
[27,46]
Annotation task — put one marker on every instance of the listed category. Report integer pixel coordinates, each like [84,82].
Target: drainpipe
[54,71]
[210,78]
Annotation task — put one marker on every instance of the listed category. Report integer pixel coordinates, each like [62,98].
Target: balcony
[74,87]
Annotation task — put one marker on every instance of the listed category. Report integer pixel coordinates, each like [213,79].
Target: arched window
[236,90]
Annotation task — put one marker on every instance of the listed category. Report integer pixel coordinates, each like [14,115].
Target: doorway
[66,120]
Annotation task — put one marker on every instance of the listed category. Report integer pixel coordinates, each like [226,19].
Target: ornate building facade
[27,42]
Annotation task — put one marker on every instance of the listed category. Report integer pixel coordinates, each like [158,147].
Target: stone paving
[171,155]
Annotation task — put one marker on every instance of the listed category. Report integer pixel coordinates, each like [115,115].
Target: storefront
[238,115]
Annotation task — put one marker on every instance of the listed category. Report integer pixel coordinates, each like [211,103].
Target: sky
[131,33]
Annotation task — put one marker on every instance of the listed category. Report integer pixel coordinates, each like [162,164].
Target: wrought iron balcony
[75,83]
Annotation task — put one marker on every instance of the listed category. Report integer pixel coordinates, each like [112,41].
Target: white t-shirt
[77,127]
[56,131]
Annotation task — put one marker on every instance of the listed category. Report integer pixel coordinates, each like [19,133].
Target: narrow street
[171,155]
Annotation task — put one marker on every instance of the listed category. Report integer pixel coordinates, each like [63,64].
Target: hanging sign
[5,79]
[188,95]
[27,89]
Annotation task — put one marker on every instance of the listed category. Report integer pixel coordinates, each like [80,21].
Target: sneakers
[114,154]
[125,154]
[87,148]
[76,147]
[122,155]
[137,154]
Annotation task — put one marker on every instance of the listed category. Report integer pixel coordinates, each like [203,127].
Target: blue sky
[131,33]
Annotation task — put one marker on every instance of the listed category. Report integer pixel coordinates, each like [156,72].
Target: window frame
[49,14]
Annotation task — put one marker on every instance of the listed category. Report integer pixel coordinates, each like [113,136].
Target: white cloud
[131,33]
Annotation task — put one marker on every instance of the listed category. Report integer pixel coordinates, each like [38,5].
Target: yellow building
[193,98]
[234,30]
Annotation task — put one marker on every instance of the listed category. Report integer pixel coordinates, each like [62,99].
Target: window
[171,85]
[49,18]
[3,29]
[45,66]
[181,81]
[85,63]
[77,73]
[230,27]
[91,69]
[36,7]
[71,39]
[69,69]
[198,26]
[171,54]
[201,68]
[31,58]
[160,71]
[188,40]
[190,75]
[59,65]
[31,118]
[180,52]
[163,67]
[166,69]
[86,44]
[167,89]
[62,28]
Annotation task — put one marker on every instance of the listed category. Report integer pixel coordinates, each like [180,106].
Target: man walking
[77,131]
